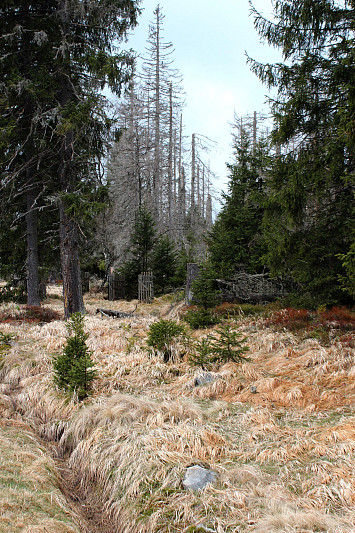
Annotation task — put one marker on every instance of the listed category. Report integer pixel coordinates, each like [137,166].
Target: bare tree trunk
[33,297]
[254,132]
[170,157]
[203,210]
[69,249]
[193,168]
[72,290]
[198,190]
[156,172]
[209,211]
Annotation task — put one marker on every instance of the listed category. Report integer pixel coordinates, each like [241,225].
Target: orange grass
[284,455]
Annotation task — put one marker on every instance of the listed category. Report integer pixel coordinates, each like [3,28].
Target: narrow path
[93,518]
[86,504]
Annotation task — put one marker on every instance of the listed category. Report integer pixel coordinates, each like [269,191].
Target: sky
[210,39]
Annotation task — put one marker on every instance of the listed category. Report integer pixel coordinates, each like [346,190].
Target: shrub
[31,314]
[226,344]
[292,319]
[340,317]
[73,368]
[13,294]
[200,318]
[164,335]
[229,345]
[202,354]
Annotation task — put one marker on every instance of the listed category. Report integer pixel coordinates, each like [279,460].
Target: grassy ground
[30,498]
[284,454]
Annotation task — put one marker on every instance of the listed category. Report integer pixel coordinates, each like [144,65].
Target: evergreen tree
[204,289]
[236,239]
[143,239]
[228,344]
[309,213]
[164,263]
[56,58]
[27,99]
[73,368]
[140,250]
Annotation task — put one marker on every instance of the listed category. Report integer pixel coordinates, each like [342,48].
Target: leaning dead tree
[251,288]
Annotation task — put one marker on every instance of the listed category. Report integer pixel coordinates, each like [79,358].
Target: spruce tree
[236,239]
[139,251]
[57,56]
[309,213]
[73,368]
[164,264]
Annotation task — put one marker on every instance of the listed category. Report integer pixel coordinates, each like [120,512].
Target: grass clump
[164,335]
[240,310]
[5,340]
[73,368]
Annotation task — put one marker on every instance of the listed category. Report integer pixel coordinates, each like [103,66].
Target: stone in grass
[203,378]
[197,477]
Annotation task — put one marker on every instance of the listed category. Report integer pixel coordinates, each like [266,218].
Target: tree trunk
[193,169]
[33,297]
[170,160]
[72,289]
[69,249]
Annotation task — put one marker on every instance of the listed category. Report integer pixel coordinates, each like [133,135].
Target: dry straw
[279,431]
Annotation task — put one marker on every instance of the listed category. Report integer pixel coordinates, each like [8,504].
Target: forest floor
[279,430]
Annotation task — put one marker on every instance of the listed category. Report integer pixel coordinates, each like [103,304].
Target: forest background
[93,187]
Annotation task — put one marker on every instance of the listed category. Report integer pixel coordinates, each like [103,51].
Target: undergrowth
[8,293]
[324,324]
[29,314]
[164,336]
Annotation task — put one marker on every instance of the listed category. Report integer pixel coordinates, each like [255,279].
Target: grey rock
[197,477]
[203,378]
[253,389]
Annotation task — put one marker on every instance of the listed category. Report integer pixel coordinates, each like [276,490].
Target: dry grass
[30,498]
[284,455]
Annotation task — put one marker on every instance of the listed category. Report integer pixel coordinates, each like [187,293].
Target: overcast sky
[210,39]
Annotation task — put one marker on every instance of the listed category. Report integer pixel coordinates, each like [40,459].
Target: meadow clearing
[278,430]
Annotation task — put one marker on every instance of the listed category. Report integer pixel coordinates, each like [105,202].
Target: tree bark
[72,289]
[69,248]
[33,297]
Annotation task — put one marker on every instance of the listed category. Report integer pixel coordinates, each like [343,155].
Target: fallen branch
[115,314]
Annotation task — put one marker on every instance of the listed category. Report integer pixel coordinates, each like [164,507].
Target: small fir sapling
[229,344]
[202,354]
[225,345]
[206,296]
[73,368]
[164,335]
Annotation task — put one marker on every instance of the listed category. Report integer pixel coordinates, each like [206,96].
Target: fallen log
[115,314]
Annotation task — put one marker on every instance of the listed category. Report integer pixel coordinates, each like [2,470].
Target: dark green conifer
[309,213]
[73,368]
